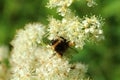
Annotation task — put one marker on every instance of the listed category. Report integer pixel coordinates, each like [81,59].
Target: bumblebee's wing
[45,40]
[70,52]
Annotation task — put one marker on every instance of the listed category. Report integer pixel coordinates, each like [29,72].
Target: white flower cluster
[72,28]
[69,28]
[62,5]
[75,30]
[31,61]
[93,28]
[91,3]
[3,68]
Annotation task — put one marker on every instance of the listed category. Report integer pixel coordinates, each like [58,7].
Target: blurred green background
[103,59]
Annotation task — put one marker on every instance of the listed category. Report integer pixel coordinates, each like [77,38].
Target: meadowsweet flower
[3,68]
[75,30]
[93,28]
[31,61]
[91,3]
[69,28]
[62,5]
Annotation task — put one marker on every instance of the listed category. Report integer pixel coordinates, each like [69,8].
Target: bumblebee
[60,45]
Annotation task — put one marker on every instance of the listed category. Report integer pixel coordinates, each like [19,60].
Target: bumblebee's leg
[59,55]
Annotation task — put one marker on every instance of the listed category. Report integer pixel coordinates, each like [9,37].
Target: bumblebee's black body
[61,46]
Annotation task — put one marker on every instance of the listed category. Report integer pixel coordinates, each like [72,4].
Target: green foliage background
[103,59]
